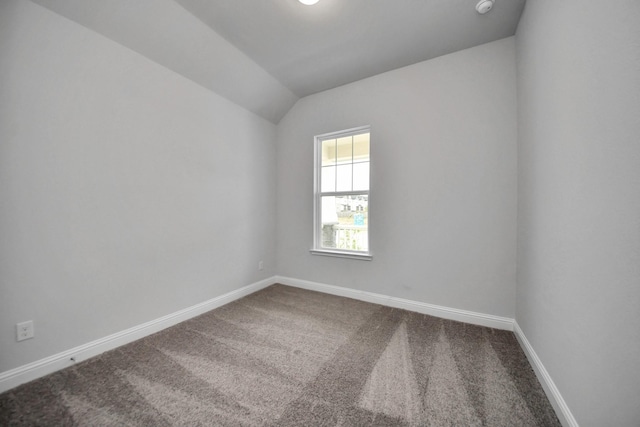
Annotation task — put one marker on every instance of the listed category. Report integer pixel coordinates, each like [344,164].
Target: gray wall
[128,192]
[443,192]
[165,32]
[578,293]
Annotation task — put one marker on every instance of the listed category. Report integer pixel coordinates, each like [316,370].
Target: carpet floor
[290,357]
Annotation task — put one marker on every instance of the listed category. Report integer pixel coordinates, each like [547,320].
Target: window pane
[345,222]
[329,152]
[345,149]
[329,218]
[328,179]
[344,178]
[360,176]
[361,147]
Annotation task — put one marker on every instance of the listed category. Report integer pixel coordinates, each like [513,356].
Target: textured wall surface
[578,293]
[443,181]
[128,192]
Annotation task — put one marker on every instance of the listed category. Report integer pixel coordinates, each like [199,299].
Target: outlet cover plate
[24,330]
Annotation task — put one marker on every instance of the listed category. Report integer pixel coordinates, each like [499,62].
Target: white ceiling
[313,48]
[265,54]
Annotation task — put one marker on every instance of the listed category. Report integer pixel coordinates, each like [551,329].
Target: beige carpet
[286,356]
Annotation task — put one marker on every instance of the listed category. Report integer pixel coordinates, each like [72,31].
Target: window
[341,194]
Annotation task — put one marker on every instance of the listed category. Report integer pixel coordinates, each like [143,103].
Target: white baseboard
[48,365]
[553,394]
[474,318]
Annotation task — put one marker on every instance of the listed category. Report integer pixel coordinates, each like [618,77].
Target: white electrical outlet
[24,330]
[260,265]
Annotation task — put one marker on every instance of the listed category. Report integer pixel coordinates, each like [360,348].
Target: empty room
[320,212]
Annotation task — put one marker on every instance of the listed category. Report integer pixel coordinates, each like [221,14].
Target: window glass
[361,176]
[345,221]
[329,152]
[345,150]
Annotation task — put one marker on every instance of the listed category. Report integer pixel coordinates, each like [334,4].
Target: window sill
[341,254]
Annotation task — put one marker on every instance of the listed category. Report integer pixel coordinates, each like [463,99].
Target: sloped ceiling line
[265,55]
[169,35]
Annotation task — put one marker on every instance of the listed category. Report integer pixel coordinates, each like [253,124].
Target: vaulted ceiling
[266,54]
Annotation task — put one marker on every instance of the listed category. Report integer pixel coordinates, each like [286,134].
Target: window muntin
[341,221]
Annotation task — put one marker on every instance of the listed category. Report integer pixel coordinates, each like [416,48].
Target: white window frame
[317,248]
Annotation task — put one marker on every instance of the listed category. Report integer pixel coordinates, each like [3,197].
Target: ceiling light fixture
[483,6]
[308,2]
